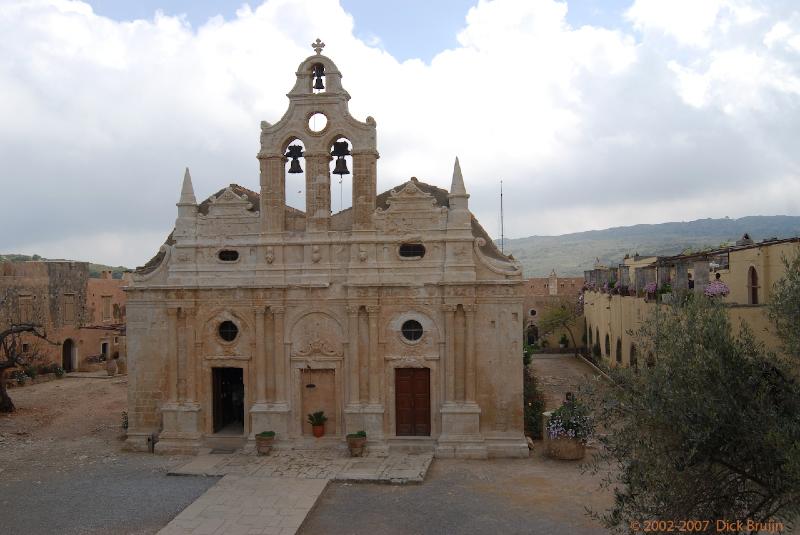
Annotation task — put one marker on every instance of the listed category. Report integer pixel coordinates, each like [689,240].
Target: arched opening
[633,361]
[651,360]
[619,351]
[532,335]
[752,285]
[591,341]
[67,353]
[318,81]
[608,347]
[295,174]
[597,336]
[341,166]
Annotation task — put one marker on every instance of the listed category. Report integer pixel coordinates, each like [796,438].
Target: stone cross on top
[318,46]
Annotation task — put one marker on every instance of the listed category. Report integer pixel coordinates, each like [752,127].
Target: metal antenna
[502,230]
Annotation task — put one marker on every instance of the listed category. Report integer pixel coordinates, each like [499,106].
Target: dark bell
[341,167]
[294,167]
[318,83]
[340,148]
[318,72]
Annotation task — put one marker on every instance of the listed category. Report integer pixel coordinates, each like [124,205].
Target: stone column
[172,354]
[191,357]
[374,357]
[663,275]
[273,192]
[280,365]
[270,358]
[260,358]
[470,375]
[700,276]
[318,190]
[352,346]
[364,187]
[450,364]
[681,276]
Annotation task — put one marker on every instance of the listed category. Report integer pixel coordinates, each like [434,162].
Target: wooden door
[319,394]
[413,401]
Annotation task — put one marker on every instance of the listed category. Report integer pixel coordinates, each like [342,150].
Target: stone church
[397,316]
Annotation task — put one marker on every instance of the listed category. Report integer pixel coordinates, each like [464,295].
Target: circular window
[317,122]
[228,331]
[412,330]
[532,312]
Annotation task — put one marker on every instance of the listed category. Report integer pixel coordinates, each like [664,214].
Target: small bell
[341,167]
[294,152]
[319,72]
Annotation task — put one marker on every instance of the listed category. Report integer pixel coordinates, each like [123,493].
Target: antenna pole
[502,230]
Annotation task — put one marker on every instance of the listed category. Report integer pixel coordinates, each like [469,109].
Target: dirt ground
[62,468]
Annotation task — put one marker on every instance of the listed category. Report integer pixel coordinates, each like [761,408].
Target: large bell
[294,166]
[294,152]
[318,83]
[341,167]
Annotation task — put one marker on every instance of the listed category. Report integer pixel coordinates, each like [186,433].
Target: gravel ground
[62,468]
[503,496]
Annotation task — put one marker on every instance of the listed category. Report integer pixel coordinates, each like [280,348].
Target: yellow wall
[615,315]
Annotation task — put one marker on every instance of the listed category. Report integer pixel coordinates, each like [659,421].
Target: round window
[228,331]
[412,330]
[317,122]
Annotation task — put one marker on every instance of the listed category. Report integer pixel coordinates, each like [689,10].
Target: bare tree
[12,355]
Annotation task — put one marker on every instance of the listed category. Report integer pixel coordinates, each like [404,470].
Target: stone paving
[273,494]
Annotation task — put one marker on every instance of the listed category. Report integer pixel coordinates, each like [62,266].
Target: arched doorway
[532,335]
[67,351]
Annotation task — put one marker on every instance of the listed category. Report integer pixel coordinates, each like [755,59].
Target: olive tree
[12,355]
[708,431]
[784,306]
[561,314]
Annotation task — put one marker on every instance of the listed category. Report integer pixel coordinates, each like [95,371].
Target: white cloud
[586,126]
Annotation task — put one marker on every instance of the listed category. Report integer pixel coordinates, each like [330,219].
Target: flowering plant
[650,287]
[570,420]
[716,288]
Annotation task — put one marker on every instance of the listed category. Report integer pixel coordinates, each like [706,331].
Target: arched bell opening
[295,174]
[341,169]
[318,80]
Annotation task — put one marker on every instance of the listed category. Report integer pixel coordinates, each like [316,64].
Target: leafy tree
[12,355]
[709,431]
[562,314]
[784,306]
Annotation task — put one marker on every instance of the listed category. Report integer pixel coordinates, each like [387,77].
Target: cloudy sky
[593,113]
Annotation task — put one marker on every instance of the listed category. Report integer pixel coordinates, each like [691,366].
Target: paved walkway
[273,494]
[558,374]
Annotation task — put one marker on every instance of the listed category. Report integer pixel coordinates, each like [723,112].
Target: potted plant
[568,429]
[355,443]
[716,288]
[563,341]
[264,442]
[317,421]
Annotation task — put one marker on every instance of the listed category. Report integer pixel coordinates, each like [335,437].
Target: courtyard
[62,469]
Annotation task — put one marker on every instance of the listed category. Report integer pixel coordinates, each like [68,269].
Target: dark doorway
[228,401]
[413,401]
[104,350]
[66,355]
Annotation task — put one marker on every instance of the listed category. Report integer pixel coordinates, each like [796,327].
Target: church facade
[397,316]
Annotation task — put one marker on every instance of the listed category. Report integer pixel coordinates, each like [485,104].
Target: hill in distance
[571,254]
[94,269]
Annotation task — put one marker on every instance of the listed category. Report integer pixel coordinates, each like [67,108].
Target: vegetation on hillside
[572,254]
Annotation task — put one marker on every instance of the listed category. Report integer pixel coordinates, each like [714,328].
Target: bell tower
[317,127]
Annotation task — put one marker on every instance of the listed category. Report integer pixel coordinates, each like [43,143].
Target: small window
[228,255]
[106,300]
[532,312]
[69,308]
[228,331]
[412,250]
[26,348]
[412,330]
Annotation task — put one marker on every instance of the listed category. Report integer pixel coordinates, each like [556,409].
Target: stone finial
[187,191]
[457,186]
[318,46]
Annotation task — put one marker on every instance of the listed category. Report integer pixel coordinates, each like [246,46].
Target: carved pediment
[317,346]
[228,204]
[410,209]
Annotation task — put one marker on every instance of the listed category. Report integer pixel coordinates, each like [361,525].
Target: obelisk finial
[318,46]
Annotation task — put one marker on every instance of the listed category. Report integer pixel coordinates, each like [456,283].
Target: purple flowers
[650,287]
[717,288]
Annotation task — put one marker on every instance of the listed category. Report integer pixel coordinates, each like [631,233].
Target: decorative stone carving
[315,254]
[229,204]
[317,347]
[269,256]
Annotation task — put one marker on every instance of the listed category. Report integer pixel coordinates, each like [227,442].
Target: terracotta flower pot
[356,445]
[264,444]
[566,449]
[318,430]
[111,367]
